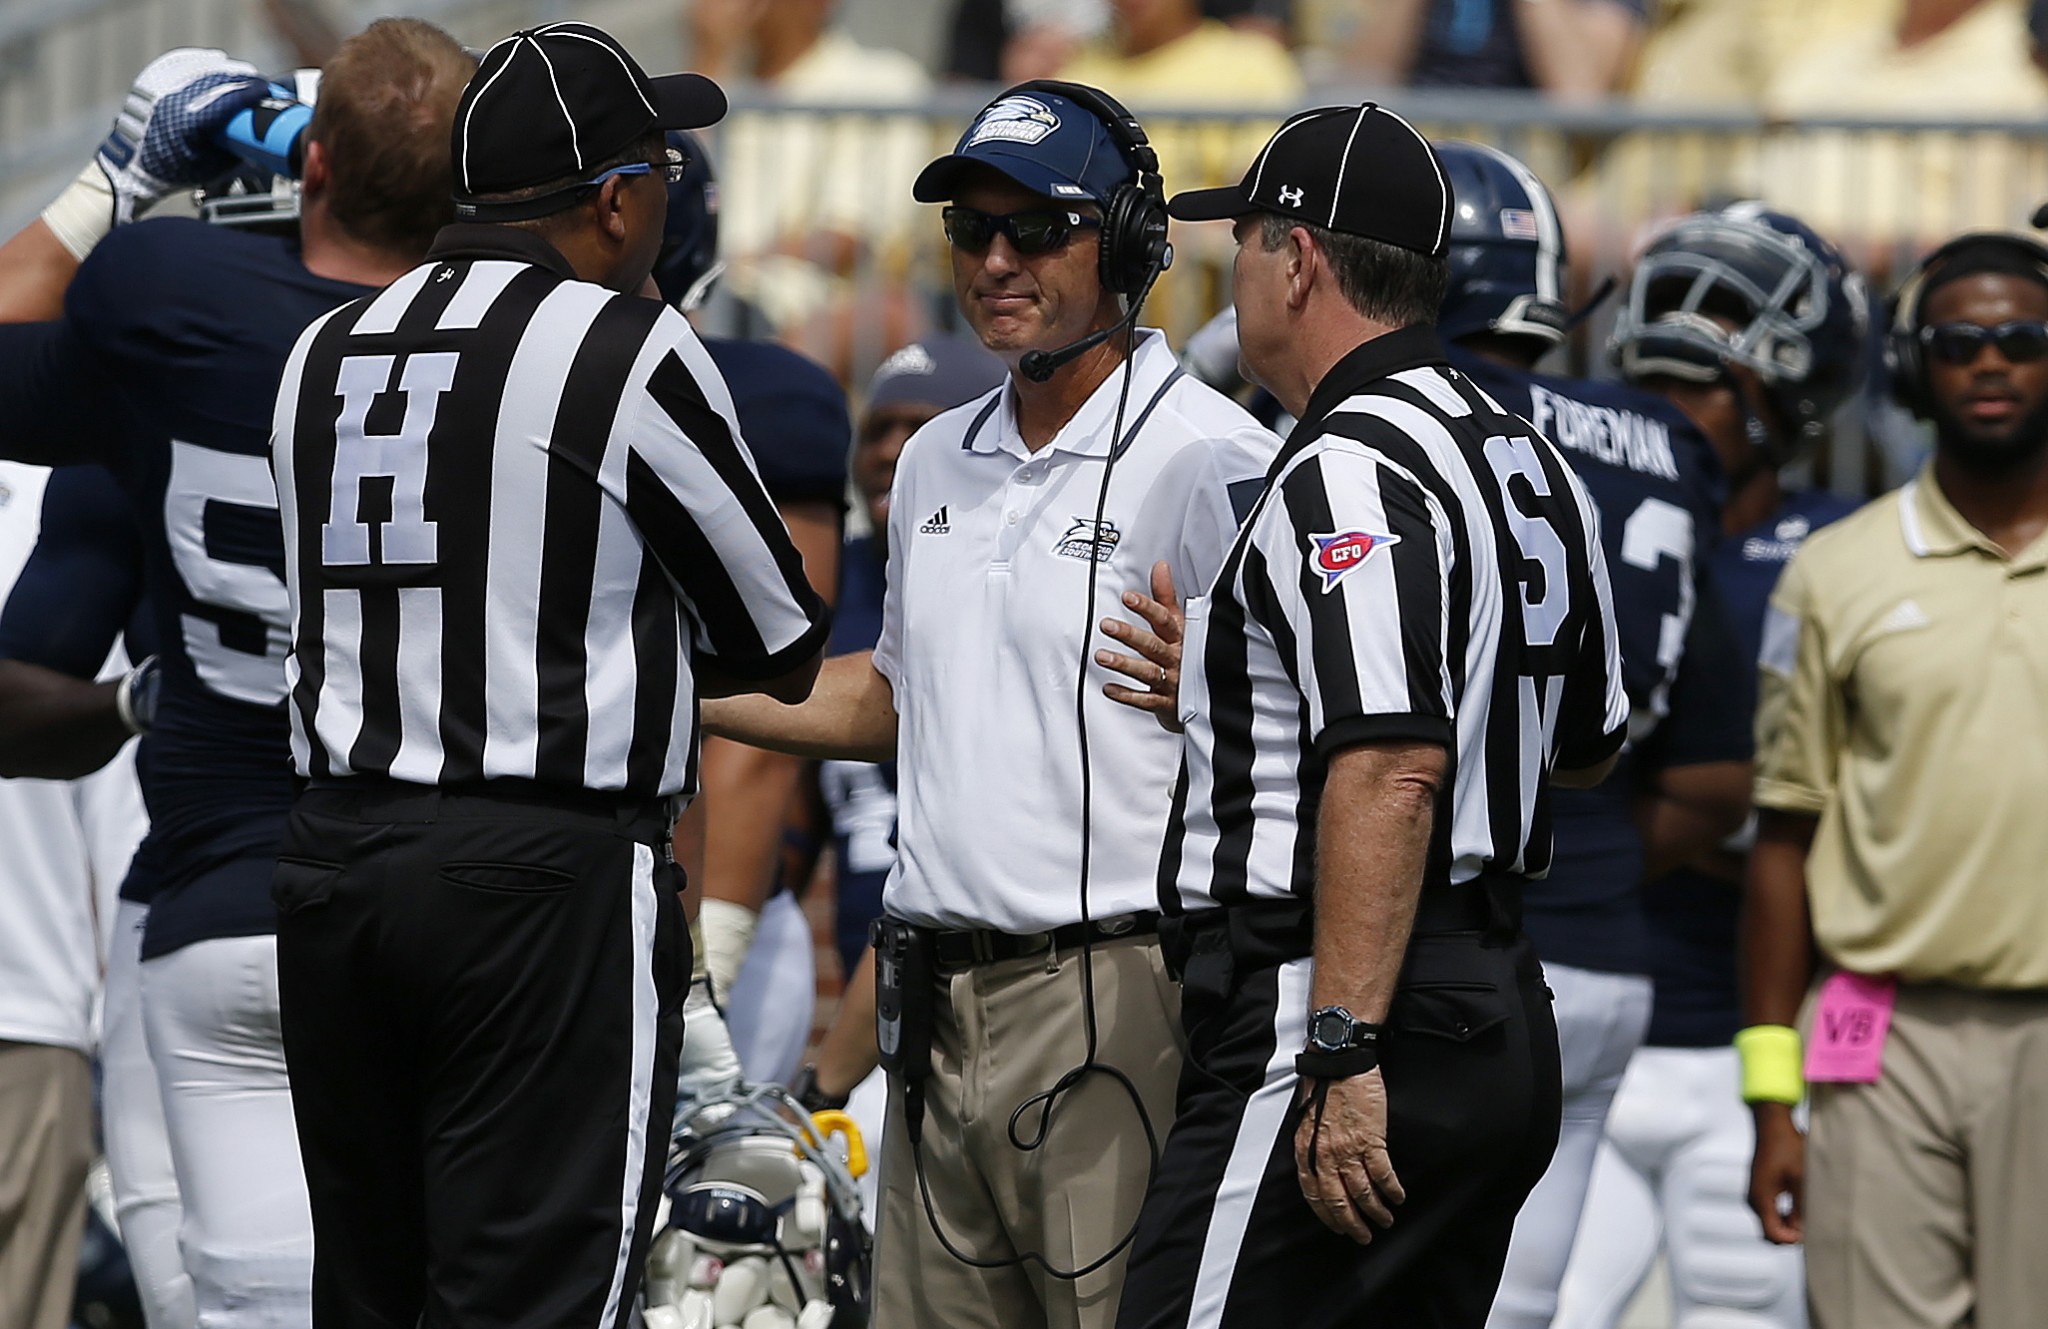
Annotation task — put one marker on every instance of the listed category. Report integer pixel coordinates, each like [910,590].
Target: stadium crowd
[1798,978]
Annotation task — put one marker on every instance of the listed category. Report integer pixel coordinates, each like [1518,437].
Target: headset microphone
[1038,366]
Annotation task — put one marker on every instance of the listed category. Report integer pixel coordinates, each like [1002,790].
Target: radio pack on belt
[903,998]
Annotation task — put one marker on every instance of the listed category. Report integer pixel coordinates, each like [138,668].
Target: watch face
[1331,1030]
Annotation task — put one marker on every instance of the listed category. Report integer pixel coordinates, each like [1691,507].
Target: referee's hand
[1157,665]
[1352,1178]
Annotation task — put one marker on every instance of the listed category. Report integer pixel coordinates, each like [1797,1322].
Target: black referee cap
[1358,170]
[555,101]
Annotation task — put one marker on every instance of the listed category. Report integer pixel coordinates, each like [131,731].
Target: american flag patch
[1518,223]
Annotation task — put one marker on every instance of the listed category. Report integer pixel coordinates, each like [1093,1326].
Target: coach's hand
[1340,1156]
[1777,1174]
[164,136]
[1158,664]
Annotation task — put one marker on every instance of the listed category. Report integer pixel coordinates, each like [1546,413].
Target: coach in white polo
[973,688]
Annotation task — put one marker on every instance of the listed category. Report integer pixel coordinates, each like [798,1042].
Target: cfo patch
[1335,555]
[1082,540]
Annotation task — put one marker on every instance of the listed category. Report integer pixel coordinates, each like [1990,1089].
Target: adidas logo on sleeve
[936,524]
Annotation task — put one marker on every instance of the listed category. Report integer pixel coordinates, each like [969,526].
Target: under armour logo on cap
[1368,170]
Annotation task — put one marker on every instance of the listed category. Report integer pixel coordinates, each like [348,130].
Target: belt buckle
[1114,927]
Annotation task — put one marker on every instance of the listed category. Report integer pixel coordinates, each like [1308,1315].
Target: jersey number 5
[1544,612]
[406,536]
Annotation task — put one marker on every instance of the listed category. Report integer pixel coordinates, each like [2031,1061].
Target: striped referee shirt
[1423,566]
[518,519]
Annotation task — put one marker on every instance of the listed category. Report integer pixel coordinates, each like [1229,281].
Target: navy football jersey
[1658,488]
[165,368]
[861,796]
[1694,918]
[79,593]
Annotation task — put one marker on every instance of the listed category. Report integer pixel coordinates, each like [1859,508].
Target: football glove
[166,134]
[709,1069]
[135,696]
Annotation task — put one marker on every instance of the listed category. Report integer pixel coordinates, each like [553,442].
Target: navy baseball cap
[941,370]
[554,101]
[1358,170]
[1047,143]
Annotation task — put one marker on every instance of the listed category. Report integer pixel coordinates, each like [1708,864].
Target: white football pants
[770,1006]
[1674,1171]
[1601,1020]
[138,1148]
[211,1010]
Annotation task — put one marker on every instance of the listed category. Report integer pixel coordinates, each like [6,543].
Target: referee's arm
[692,492]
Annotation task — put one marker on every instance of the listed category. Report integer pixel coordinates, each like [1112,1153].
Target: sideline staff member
[992,536]
[1901,837]
[521,534]
[1362,688]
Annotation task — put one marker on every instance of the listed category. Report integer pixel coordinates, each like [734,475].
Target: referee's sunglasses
[671,167]
[2019,341]
[1037,231]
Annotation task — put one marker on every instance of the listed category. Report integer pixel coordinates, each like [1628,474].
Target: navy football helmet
[688,266]
[1506,250]
[250,196]
[1800,315]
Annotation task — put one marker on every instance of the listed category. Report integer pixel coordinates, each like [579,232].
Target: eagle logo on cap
[1341,552]
[1025,120]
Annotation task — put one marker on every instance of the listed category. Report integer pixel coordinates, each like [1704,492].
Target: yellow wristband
[1771,1064]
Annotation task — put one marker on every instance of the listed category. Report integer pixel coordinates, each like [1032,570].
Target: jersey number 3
[406,536]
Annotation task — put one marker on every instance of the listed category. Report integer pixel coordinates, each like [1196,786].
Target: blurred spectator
[1166,53]
[1915,58]
[1010,41]
[1577,49]
[805,194]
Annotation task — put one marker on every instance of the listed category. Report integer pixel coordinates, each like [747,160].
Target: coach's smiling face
[1025,302]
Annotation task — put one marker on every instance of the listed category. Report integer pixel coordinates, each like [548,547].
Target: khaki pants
[45,1149]
[1927,1192]
[1003,1034]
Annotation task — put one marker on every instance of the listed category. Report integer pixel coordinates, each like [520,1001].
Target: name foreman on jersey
[1616,436]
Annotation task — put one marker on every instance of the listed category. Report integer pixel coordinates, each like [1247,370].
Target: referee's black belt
[1269,931]
[953,950]
[383,799]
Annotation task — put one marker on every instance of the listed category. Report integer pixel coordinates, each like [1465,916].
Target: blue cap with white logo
[1045,142]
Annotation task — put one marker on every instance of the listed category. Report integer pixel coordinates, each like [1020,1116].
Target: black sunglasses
[2019,341]
[1035,232]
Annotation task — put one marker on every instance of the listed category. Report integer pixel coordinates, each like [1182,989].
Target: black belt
[966,948]
[1269,931]
[382,798]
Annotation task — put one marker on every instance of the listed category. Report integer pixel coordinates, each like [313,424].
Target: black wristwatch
[1334,1029]
[813,1099]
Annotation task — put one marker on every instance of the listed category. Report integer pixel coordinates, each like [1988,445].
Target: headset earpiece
[1133,245]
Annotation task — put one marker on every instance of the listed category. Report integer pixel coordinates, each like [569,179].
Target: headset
[1904,361]
[1134,251]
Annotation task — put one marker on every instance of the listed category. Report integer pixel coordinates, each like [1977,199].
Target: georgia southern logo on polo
[1336,554]
[1024,120]
[1080,540]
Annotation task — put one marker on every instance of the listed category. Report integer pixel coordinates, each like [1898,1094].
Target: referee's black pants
[1469,1054]
[482,1008]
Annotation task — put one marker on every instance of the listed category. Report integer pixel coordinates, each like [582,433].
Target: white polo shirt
[985,625]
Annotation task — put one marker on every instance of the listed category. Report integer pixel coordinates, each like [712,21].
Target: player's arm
[1579,49]
[848,1053]
[78,590]
[749,790]
[1696,792]
[163,138]
[850,715]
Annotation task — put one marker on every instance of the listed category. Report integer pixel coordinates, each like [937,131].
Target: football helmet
[1800,315]
[760,1211]
[688,266]
[1507,250]
[251,196]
